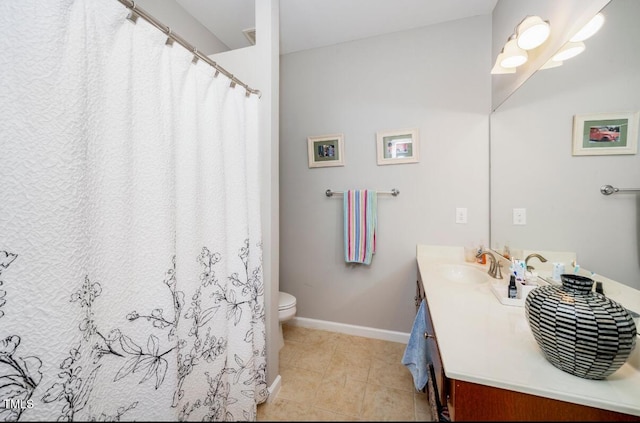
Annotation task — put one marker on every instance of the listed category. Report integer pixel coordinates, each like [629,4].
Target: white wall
[268,82]
[242,63]
[532,164]
[258,66]
[170,13]
[435,79]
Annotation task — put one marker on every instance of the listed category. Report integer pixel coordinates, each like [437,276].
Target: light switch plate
[519,216]
[461,215]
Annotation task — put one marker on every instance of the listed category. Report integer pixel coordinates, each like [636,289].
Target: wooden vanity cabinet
[435,360]
[466,401]
[475,402]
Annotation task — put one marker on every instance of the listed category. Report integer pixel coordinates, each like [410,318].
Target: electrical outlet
[519,216]
[461,215]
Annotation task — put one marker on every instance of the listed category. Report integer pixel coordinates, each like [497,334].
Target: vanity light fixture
[532,32]
[514,56]
[589,29]
[569,50]
[498,70]
[551,64]
[575,45]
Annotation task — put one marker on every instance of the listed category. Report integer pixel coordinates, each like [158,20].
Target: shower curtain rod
[137,11]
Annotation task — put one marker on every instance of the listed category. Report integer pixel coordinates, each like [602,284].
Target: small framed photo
[326,150]
[605,133]
[398,147]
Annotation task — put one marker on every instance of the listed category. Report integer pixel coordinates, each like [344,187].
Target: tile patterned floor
[329,376]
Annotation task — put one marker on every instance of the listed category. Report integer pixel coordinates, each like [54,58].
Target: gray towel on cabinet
[416,355]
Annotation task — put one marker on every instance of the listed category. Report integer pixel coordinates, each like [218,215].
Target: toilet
[286,311]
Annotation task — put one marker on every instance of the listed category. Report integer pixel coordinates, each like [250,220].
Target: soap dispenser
[513,290]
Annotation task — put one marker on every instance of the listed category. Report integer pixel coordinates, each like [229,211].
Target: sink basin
[462,273]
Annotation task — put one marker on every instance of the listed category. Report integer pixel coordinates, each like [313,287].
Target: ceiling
[306,24]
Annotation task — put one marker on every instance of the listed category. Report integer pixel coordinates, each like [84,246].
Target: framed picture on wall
[398,147]
[326,150]
[605,133]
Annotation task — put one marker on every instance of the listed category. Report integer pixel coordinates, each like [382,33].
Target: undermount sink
[463,273]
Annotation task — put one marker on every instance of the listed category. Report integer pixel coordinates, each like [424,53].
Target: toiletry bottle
[506,253]
[513,290]
[481,259]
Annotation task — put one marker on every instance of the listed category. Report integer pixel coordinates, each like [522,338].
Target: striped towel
[360,221]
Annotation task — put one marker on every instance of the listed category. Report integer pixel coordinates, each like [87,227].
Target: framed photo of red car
[397,147]
[326,150]
[605,133]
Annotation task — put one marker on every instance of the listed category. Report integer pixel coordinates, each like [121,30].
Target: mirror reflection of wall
[532,165]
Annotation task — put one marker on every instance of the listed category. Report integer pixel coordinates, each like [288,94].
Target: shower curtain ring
[195,56]
[169,41]
[133,15]
[233,82]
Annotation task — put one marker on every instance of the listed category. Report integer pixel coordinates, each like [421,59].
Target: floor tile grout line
[324,374]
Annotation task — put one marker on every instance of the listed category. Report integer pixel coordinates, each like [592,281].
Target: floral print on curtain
[131,281]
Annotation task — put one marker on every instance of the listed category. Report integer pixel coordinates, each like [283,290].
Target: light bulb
[568,51]
[499,70]
[551,64]
[589,29]
[514,56]
[532,32]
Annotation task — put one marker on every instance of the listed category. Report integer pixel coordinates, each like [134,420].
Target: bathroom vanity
[487,364]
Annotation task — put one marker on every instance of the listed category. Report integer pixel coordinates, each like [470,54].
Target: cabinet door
[434,355]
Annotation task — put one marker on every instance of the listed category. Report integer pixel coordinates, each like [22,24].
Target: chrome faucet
[538,256]
[495,268]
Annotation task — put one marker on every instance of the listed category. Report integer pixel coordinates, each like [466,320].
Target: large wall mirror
[533,166]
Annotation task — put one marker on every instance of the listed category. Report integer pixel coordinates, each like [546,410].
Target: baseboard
[274,389]
[367,332]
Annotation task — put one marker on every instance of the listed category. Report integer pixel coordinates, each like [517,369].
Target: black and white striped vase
[580,331]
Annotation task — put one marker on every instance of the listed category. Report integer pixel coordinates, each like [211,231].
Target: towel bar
[608,189]
[393,192]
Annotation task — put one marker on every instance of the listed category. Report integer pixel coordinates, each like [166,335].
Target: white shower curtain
[131,280]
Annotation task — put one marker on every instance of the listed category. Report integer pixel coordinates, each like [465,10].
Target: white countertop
[483,341]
